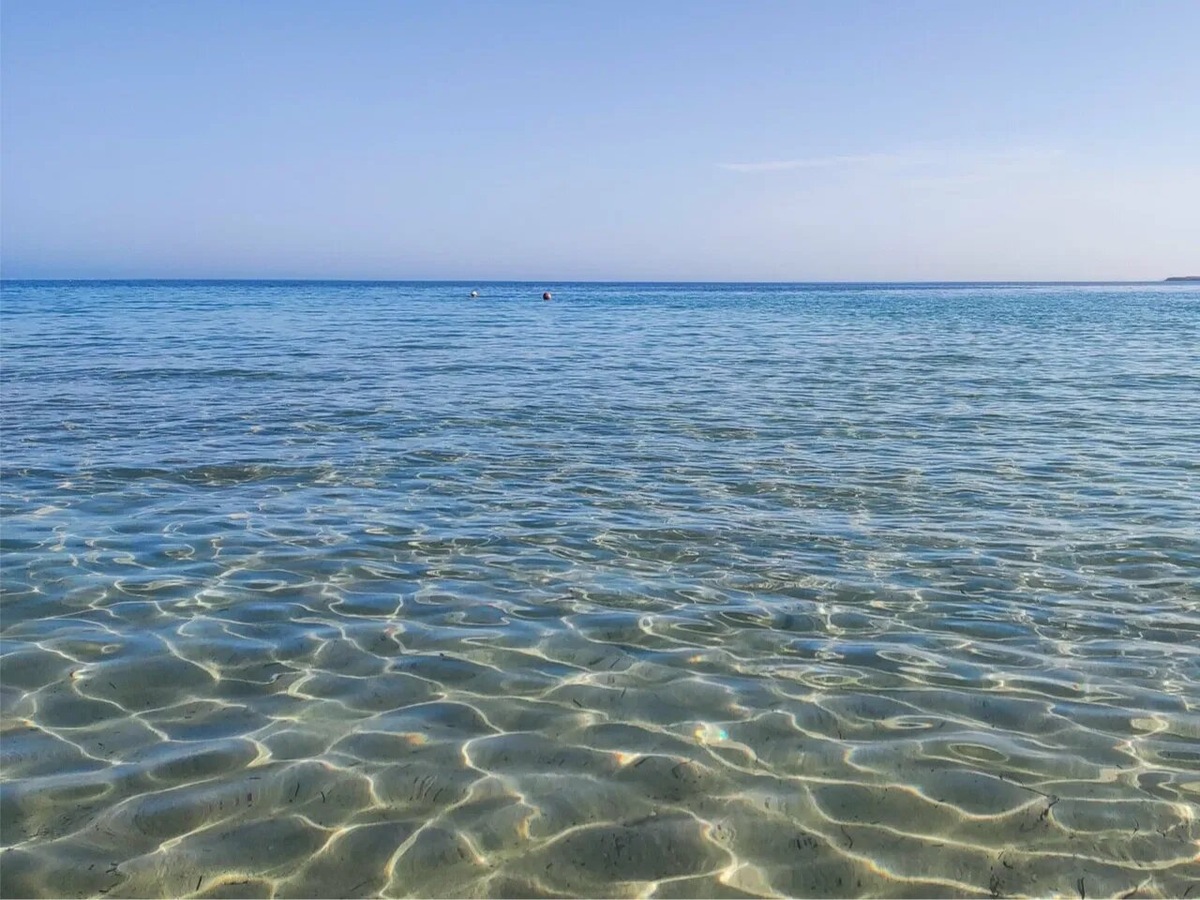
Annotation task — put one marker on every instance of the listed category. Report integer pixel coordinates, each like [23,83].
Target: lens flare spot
[710,734]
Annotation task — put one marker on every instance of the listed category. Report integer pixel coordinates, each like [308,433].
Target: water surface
[336,589]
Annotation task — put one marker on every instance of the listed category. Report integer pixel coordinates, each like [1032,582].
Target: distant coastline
[1184,278]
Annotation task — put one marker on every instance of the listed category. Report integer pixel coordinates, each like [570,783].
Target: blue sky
[615,140]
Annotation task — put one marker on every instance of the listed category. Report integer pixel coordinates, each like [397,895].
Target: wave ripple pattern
[650,591]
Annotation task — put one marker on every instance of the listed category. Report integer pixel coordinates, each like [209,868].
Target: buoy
[474,293]
[546,296]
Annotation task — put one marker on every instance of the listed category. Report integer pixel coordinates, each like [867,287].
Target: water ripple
[373,590]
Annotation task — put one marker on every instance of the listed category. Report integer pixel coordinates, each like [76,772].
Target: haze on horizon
[764,141]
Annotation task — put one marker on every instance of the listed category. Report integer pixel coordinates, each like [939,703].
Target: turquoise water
[335,589]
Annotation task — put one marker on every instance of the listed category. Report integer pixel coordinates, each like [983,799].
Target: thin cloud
[948,161]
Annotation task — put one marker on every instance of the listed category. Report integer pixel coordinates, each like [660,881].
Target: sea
[364,589]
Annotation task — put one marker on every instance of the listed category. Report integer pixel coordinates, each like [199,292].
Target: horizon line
[551,281]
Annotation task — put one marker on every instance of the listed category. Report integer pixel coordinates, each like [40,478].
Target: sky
[614,140]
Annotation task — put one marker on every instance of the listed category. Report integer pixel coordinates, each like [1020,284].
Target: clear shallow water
[372,589]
